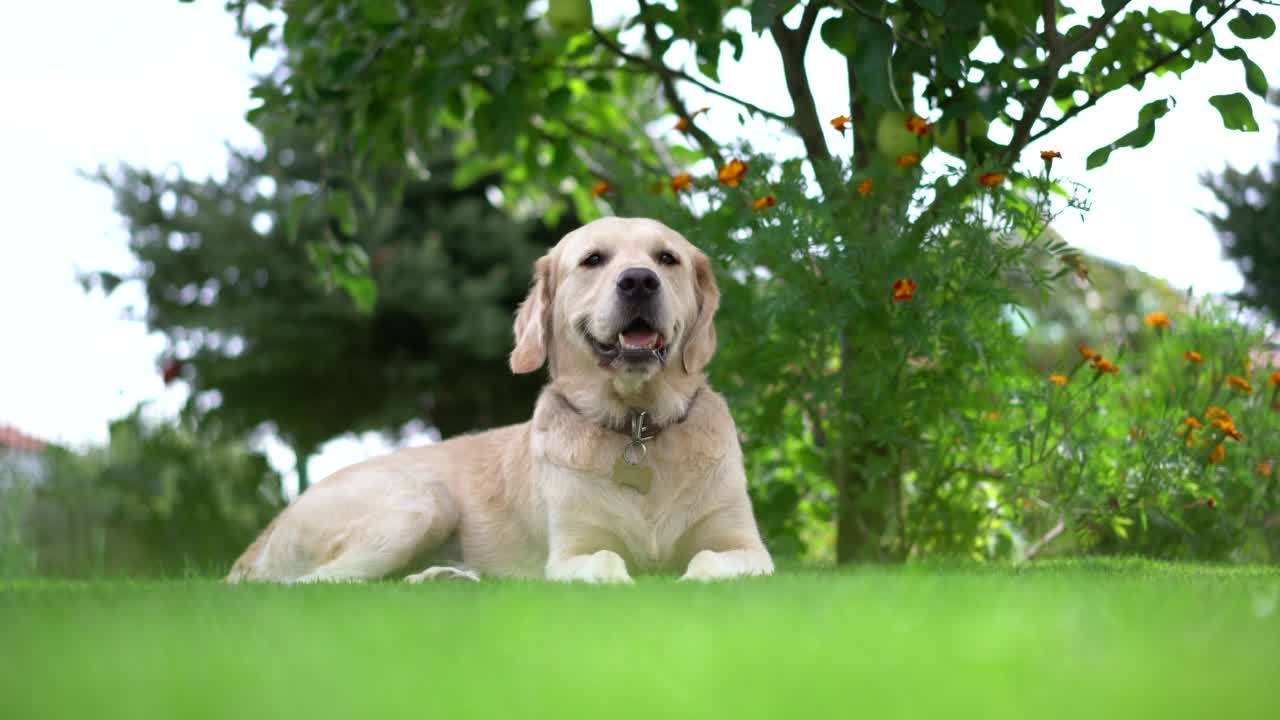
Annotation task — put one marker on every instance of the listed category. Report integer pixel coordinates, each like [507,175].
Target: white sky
[158,83]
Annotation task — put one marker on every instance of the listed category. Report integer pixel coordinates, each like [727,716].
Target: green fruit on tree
[948,133]
[570,16]
[894,140]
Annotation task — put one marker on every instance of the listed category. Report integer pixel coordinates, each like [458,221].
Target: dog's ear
[701,343]
[533,319]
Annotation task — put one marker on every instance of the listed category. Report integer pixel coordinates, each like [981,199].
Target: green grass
[1075,640]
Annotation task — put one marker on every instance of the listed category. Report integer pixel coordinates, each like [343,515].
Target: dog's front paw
[603,566]
[709,565]
[442,572]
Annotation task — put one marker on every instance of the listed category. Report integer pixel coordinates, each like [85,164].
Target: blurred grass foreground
[1068,639]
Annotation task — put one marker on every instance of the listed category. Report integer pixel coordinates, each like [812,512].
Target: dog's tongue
[640,338]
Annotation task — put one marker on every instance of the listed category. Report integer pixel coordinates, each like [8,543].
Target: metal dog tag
[635,451]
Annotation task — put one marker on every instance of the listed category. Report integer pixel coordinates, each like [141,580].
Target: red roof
[14,439]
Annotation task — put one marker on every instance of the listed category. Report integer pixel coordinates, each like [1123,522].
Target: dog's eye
[592,260]
[667,258]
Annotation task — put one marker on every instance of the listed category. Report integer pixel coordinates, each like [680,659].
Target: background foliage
[890,336]
[1247,226]
[157,499]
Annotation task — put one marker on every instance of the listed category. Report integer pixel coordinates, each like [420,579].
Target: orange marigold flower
[904,289]
[993,416]
[1104,366]
[1265,468]
[990,179]
[1191,438]
[840,123]
[1058,379]
[865,187]
[1088,353]
[600,188]
[1218,455]
[1192,423]
[1211,501]
[1049,155]
[1214,413]
[906,161]
[732,172]
[681,182]
[1240,384]
[1158,319]
[1228,428]
[917,125]
[765,202]
[1275,379]
[1193,356]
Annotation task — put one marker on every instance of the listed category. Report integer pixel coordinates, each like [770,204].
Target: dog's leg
[443,572]
[378,534]
[725,543]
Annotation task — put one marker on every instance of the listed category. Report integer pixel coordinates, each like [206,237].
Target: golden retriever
[630,463]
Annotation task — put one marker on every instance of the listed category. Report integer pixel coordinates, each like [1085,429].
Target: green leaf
[381,12]
[362,289]
[1237,113]
[293,216]
[764,12]
[260,37]
[343,210]
[873,63]
[839,33]
[937,7]
[708,58]
[558,101]
[1254,78]
[1138,137]
[110,281]
[1247,25]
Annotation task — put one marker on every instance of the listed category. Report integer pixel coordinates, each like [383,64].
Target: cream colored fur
[550,497]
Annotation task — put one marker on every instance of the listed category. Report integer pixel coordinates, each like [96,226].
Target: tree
[262,340]
[1248,230]
[523,93]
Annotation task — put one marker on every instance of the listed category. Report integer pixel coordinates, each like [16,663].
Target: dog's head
[619,296]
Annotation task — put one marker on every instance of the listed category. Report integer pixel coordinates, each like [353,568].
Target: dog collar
[639,427]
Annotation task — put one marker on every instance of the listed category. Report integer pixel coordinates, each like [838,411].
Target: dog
[631,462]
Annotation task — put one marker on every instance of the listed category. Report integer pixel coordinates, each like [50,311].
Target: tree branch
[858,113]
[605,141]
[1094,31]
[1044,89]
[1049,11]
[1051,125]
[791,46]
[686,77]
[1048,537]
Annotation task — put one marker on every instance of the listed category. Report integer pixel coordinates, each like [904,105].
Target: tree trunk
[864,516]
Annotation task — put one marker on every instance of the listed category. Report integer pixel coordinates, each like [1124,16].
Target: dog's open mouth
[639,341]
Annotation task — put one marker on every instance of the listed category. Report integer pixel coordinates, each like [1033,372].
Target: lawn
[1080,640]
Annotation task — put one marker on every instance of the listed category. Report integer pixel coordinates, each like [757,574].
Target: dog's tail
[246,567]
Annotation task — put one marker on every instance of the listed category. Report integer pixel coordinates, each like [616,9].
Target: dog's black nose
[638,283]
